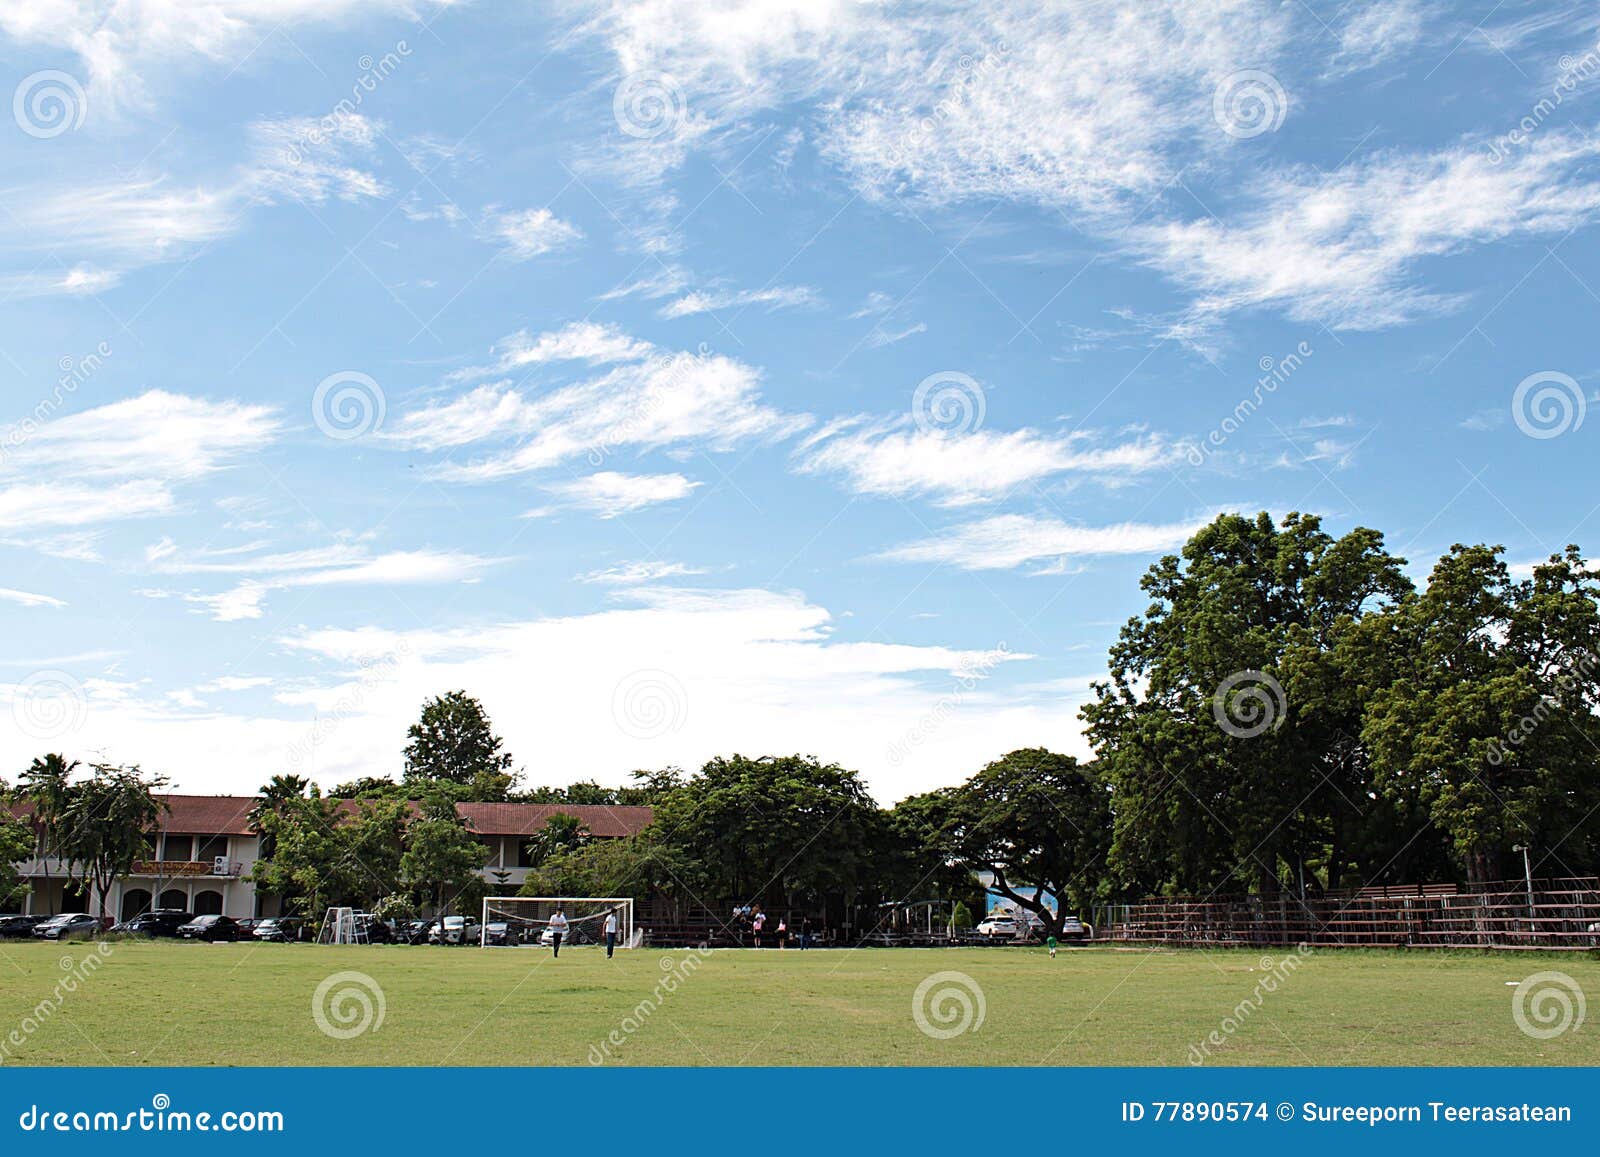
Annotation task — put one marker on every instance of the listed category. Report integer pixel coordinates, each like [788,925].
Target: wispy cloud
[532,232]
[1010,540]
[611,493]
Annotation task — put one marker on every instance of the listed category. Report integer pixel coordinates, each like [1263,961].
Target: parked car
[19,927]
[575,934]
[416,931]
[69,926]
[1074,929]
[210,928]
[508,933]
[157,922]
[1009,926]
[280,929]
[456,930]
[247,927]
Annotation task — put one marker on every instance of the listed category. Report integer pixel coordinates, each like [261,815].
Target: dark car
[247,927]
[19,927]
[416,932]
[210,928]
[281,929]
[159,922]
[68,926]
[376,931]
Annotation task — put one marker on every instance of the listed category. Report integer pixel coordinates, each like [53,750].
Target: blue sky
[684,378]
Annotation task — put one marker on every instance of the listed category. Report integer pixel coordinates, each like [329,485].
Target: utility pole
[1527,873]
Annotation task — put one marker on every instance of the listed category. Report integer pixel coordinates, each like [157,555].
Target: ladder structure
[340,926]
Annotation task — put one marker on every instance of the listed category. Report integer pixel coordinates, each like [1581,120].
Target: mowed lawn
[192,1004]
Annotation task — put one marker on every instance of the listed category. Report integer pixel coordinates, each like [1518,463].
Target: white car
[1006,926]
[456,930]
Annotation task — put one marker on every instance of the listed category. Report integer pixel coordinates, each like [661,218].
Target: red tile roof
[523,819]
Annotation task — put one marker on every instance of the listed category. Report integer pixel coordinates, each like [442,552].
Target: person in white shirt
[611,932]
[558,928]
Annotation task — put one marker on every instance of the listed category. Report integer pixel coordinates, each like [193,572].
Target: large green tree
[16,844]
[1037,821]
[779,829]
[453,742]
[442,856]
[1489,724]
[99,824]
[1226,726]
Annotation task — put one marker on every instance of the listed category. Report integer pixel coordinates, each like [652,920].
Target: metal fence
[1561,914]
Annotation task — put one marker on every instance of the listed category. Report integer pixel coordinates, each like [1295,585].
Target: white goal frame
[623,905]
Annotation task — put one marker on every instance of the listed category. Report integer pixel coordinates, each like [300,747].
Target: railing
[1560,914]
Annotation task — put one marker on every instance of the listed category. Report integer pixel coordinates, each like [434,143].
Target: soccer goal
[515,920]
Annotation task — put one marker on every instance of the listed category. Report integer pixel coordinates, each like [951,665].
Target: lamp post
[1527,873]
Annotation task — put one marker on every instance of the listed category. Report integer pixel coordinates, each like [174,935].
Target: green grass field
[191,1004]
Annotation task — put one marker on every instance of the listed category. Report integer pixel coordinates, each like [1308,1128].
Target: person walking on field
[558,928]
[611,932]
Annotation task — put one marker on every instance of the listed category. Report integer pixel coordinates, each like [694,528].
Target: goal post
[525,920]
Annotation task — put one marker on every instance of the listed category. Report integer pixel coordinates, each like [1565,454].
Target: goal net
[512,921]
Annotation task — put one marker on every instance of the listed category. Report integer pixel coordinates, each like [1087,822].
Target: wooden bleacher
[1564,914]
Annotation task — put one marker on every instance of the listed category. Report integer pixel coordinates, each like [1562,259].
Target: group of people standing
[752,922]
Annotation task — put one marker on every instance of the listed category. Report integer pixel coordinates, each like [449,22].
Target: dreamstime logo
[1548,1004]
[649,704]
[1548,404]
[647,104]
[1248,103]
[347,1004]
[948,1004]
[1248,703]
[49,704]
[348,405]
[49,103]
[948,402]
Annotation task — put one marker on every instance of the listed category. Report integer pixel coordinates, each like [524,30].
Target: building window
[135,901]
[175,899]
[211,848]
[208,903]
[178,848]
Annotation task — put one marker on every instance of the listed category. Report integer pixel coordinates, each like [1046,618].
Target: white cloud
[532,232]
[597,343]
[639,573]
[396,568]
[661,401]
[308,158]
[1010,540]
[900,460]
[1342,247]
[123,46]
[30,506]
[776,297]
[124,459]
[155,434]
[611,493]
[740,670]
[1377,31]
[110,227]
[1015,101]
[26,599]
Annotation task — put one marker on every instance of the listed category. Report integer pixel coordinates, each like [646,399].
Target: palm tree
[45,787]
[276,792]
